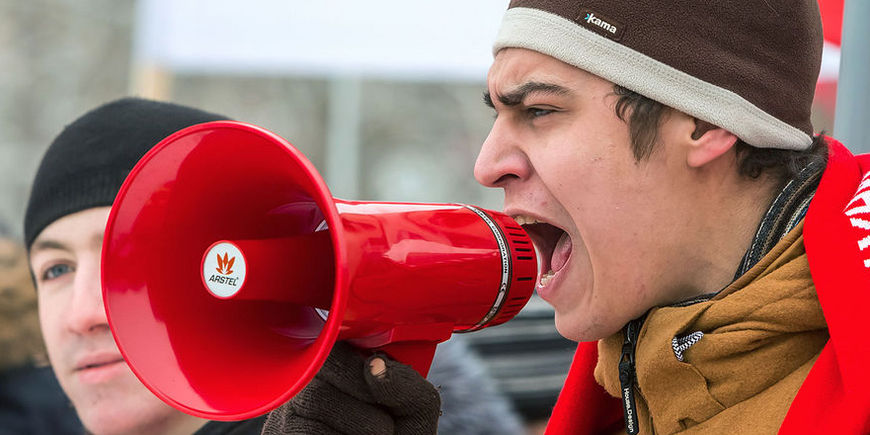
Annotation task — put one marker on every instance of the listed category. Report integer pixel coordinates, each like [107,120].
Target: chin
[136,415]
[108,422]
[571,329]
[581,325]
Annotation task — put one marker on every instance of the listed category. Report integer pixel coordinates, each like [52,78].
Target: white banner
[445,39]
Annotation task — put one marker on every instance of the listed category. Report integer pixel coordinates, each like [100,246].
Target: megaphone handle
[417,354]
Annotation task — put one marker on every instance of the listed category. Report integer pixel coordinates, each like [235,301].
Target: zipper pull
[627,376]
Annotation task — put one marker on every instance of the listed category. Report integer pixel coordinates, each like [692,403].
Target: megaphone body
[229,271]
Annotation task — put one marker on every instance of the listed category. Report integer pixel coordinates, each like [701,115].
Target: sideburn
[644,119]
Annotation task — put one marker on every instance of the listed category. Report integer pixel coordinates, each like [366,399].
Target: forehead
[514,66]
[82,229]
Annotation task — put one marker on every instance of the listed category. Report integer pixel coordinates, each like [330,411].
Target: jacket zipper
[627,376]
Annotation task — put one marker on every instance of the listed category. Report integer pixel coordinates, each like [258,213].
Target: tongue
[561,253]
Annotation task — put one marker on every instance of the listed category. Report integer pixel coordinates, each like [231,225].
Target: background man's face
[563,157]
[65,259]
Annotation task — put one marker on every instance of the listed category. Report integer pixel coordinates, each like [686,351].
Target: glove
[351,395]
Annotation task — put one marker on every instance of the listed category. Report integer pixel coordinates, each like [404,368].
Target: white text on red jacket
[858,211]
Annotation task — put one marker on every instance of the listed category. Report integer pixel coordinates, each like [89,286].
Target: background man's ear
[708,142]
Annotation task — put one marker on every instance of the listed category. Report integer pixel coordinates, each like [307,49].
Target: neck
[728,222]
[185,426]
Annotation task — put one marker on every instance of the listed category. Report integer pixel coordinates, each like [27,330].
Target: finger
[342,370]
[414,403]
[399,387]
[321,401]
[283,421]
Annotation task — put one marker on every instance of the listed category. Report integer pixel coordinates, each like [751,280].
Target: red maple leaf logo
[225,264]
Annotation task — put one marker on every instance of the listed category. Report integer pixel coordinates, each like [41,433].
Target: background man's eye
[56,271]
[536,112]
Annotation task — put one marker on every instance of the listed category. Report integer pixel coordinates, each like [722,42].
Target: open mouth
[553,244]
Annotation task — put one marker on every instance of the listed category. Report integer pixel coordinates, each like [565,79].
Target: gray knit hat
[748,67]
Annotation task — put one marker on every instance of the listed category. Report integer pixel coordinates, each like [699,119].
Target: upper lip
[97,359]
[544,234]
[517,213]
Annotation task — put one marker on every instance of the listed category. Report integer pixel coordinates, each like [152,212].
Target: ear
[708,143]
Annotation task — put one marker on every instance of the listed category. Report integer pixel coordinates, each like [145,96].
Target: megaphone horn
[229,271]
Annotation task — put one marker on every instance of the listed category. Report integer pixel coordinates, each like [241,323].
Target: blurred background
[384,97]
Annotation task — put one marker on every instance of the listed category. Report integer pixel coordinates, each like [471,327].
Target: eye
[537,112]
[56,271]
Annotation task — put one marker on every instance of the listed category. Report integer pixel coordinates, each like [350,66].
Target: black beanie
[87,163]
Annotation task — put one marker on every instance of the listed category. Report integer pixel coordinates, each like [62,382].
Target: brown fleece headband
[748,67]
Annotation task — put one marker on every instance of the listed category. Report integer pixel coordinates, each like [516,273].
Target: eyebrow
[519,94]
[41,245]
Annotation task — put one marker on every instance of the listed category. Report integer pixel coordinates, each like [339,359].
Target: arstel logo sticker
[226,259]
[601,25]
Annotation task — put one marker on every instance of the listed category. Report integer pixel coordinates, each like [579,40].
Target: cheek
[614,213]
[51,322]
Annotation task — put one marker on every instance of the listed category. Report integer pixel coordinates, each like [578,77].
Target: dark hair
[646,116]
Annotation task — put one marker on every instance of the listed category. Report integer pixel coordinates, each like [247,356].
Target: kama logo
[591,18]
[223,263]
[603,25]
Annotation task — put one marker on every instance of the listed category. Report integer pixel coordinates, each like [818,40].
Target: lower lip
[102,373]
[546,292]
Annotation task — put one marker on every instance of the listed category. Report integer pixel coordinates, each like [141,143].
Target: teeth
[525,220]
[545,278]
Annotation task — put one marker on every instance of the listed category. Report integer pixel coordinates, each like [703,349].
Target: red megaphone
[229,271]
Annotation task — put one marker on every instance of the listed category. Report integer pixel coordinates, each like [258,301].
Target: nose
[501,160]
[86,312]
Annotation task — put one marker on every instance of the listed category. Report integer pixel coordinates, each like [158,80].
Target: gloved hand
[352,395]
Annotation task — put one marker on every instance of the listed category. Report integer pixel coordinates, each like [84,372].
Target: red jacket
[835,397]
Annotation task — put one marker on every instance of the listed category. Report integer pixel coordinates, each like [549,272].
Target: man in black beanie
[70,200]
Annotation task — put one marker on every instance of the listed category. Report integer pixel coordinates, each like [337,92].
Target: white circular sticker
[223,269]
